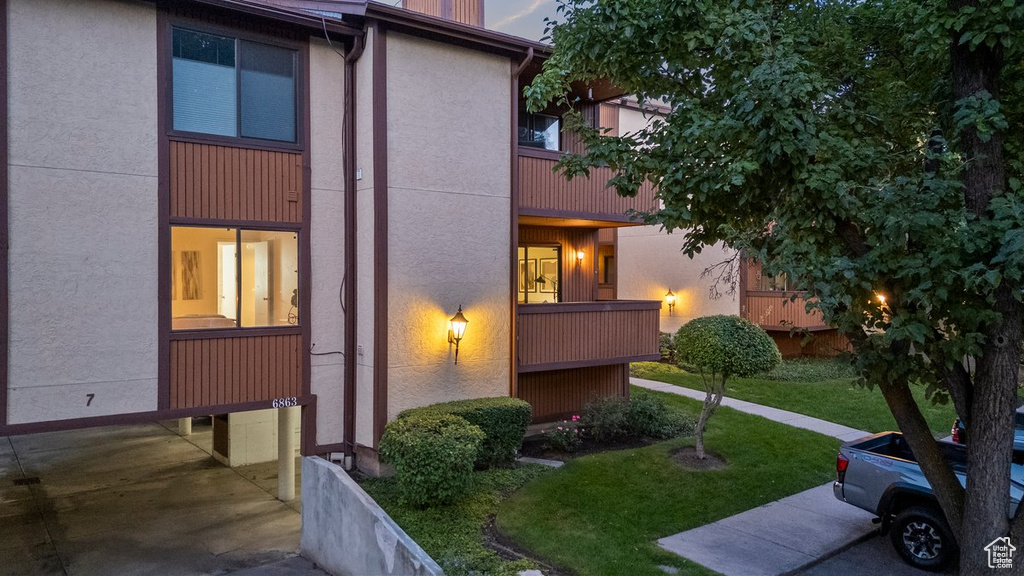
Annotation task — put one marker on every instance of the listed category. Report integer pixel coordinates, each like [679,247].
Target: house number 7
[90,397]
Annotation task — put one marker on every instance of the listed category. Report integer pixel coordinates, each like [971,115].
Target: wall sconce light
[456,329]
[580,255]
[670,299]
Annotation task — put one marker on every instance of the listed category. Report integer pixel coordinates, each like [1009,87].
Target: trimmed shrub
[722,347]
[503,421]
[667,347]
[566,436]
[433,457]
[605,419]
[648,416]
[726,346]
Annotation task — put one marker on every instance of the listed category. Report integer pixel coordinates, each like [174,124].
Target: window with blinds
[231,87]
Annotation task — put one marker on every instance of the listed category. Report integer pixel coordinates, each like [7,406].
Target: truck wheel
[923,539]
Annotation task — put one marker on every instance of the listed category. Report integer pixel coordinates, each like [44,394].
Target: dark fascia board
[297,17]
[432,27]
[354,7]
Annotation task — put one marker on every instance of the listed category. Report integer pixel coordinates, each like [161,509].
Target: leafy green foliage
[605,418]
[503,421]
[566,436]
[727,346]
[667,347]
[452,535]
[648,416]
[433,457]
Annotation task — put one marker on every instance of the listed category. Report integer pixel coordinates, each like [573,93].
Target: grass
[837,400]
[601,514]
[452,535]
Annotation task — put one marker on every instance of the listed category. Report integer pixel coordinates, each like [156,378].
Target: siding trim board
[380,234]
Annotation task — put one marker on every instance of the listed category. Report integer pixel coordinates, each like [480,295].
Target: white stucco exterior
[327,240]
[449,231]
[83,209]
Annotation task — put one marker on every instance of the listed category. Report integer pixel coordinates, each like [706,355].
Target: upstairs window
[231,87]
[539,131]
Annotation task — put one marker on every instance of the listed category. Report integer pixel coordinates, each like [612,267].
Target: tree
[865,149]
[721,347]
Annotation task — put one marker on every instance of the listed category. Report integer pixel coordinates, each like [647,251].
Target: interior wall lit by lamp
[456,329]
[670,299]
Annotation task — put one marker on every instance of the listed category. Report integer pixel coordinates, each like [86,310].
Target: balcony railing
[543,192]
[578,334]
[776,311]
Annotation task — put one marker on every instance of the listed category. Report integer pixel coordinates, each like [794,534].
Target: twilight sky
[523,18]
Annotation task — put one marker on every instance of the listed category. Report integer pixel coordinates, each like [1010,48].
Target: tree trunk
[990,428]
[714,392]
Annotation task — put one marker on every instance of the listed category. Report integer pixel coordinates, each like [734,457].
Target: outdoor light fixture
[456,329]
[881,298]
[580,254]
[670,299]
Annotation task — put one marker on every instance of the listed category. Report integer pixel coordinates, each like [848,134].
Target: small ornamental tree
[720,347]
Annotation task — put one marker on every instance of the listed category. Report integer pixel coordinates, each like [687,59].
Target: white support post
[184,426]
[286,419]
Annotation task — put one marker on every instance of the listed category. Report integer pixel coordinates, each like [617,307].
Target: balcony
[547,194]
[775,311]
[579,334]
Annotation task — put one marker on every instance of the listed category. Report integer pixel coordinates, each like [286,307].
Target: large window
[539,131]
[232,277]
[540,274]
[232,87]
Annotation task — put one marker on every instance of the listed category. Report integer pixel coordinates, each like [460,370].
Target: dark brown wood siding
[225,183]
[465,11]
[554,336]
[776,311]
[430,7]
[559,394]
[578,281]
[543,192]
[220,371]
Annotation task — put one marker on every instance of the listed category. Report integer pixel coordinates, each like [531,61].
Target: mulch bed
[536,447]
[687,458]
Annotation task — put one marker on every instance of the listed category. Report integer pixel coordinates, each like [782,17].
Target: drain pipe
[349,166]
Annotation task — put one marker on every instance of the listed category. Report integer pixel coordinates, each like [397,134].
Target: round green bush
[433,457]
[726,345]
[503,421]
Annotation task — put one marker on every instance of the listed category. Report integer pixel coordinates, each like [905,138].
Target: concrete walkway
[779,537]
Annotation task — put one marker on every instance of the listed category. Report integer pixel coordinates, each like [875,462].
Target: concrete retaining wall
[346,533]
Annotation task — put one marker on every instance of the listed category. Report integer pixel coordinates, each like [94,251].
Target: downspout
[514,225]
[349,167]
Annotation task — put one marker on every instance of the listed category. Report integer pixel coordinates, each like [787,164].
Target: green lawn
[452,534]
[836,400]
[601,514]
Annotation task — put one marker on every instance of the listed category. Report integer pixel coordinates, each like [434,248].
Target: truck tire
[923,539]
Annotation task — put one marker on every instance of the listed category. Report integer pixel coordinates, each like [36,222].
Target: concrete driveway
[136,500]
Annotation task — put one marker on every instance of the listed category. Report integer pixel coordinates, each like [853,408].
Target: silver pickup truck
[880,474]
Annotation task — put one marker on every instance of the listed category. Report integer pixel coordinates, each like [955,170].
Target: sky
[524,18]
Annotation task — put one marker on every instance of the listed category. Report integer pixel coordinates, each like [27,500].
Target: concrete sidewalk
[779,537]
[844,433]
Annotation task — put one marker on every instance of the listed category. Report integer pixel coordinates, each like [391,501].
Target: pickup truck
[880,474]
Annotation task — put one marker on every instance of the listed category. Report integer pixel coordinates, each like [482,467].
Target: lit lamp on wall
[670,299]
[580,255]
[456,329]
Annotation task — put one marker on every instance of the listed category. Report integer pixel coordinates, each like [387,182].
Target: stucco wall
[651,262]
[83,209]
[326,97]
[449,154]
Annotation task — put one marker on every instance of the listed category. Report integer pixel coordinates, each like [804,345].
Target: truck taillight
[842,463]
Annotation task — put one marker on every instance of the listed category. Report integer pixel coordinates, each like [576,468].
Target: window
[539,131]
[777,283]
[232,277]
[231,87]
[540,274]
